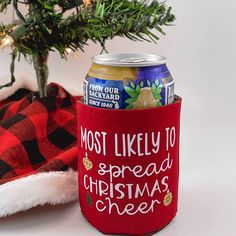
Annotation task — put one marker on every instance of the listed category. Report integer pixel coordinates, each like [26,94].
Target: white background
[201,52]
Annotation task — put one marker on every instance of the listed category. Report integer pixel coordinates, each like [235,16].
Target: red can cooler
[129,167]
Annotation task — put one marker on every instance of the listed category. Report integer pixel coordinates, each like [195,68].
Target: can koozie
[128,167]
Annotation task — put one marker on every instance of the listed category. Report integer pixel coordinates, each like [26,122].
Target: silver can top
[129,60]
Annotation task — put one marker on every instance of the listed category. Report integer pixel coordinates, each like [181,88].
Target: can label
[151,87]
[103,93]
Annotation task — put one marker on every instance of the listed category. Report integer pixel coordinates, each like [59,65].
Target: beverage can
[128,81]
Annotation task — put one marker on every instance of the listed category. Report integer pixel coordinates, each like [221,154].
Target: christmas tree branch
[99,21]
[106,19]
[46,27]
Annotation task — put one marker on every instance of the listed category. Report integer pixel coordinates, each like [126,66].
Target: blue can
[128,81]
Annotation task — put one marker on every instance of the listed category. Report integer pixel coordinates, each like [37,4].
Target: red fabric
[119,190]
[37,134]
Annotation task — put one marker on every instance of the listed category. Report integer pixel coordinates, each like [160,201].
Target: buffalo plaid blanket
[37,142]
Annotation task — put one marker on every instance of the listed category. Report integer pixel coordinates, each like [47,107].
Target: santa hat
[38,149]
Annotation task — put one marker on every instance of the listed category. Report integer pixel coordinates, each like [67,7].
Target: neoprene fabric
[129,167]
[38,149]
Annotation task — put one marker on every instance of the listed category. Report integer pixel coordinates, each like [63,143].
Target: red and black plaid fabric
[37,134]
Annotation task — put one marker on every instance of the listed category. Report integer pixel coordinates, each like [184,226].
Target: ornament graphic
[168,199]
[87,163]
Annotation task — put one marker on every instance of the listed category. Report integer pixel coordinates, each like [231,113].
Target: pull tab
[133,60]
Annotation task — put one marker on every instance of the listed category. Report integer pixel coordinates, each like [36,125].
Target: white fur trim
[39,189]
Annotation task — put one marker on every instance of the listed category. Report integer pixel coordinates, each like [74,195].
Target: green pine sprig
[56,25]
[46,29]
